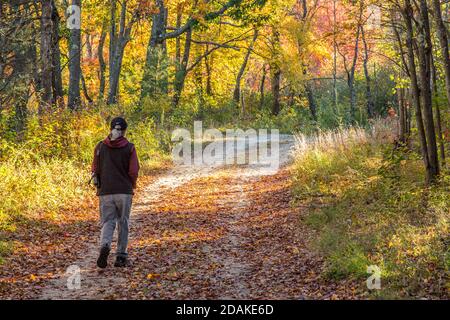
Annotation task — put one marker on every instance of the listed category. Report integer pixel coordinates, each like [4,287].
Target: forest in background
[301,66]
[316,62]
[296,65]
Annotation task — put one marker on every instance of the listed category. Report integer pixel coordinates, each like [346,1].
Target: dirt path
[223,232]
[95,282]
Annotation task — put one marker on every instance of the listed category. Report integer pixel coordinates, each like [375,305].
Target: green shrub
[375,209]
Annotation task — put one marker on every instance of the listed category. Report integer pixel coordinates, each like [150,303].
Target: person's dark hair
[119,121]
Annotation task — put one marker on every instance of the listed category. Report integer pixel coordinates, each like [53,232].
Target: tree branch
[193,21]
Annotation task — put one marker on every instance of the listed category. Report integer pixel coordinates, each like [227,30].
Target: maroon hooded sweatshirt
[116,163]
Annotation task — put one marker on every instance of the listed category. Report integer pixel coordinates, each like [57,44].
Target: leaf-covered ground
[227,233]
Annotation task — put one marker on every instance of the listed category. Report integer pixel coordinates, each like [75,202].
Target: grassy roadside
[371,207]
[44,178]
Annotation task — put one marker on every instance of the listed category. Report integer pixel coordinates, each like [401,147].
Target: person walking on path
[115,171]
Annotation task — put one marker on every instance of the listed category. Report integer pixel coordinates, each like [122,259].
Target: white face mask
[115,134]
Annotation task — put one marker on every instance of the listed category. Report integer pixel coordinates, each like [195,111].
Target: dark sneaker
[102,260]
[121,262]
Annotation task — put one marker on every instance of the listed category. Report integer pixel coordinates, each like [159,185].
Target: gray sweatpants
[115,209]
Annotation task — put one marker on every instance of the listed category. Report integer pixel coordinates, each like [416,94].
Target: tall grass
[41,187]
[38,188]
[370,206]
[381,131]
[48,171]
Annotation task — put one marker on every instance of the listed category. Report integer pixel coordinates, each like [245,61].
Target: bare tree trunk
[407,15]
[334,59]
[74,100]
[112,37]
[310,96]
[23,59]
[404,96]
[440,135]
[181,74]
[351,79]
[197,75]
[118,43]
[115,71]
[178,39]
[438,114]
[401,98]
[275,72]
[208,64]
[88,46]
[261,87]
[424,58]
[403,111]
[46,56]
[399,42]
[35,61]
[443,40]
[155,79]
[237,88]
[351,71]
[370,104]
[243,108]
[56,58]
[291,97]
[101,61]
[276,80]
[311,102]
[85,91]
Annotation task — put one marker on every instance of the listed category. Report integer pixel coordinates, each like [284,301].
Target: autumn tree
[75,61]
[46,56]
